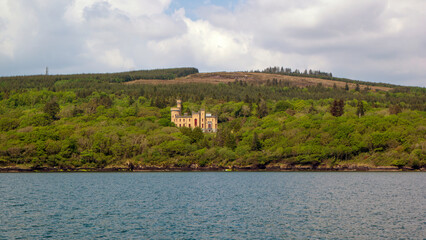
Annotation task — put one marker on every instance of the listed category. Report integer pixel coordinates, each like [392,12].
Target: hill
[259,78]
[266,121]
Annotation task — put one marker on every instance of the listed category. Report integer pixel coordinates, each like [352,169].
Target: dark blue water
[213,205]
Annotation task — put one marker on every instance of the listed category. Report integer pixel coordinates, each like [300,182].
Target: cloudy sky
[372,40]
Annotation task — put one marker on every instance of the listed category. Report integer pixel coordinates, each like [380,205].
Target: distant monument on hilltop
[206,121]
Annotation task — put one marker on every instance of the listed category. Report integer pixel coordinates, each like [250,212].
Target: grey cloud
[98,10]
[366,40]
[361,39]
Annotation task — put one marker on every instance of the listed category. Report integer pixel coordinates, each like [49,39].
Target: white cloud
[131,8]
[369,40]
[114,59]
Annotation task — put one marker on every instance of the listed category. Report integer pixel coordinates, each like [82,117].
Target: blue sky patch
[191,6]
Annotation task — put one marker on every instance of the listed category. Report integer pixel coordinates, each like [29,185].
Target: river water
[213,205]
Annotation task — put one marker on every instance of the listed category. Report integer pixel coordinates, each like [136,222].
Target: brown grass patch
[255,78]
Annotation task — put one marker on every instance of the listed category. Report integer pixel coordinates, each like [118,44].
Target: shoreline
[214,169]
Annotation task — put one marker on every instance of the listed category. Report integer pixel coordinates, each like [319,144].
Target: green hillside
[95,121]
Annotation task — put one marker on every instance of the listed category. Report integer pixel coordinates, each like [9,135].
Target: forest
[96,121]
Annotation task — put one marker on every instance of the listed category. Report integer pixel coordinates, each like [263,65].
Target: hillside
[266,121]
[256,78]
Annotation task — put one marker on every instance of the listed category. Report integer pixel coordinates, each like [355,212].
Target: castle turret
[176,111]
[179,105]
[203,118]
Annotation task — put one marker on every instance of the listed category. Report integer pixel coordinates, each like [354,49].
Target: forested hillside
[95,121]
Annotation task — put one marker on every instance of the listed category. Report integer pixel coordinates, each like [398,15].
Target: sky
[379,41]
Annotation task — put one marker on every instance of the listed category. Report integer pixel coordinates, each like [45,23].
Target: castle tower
[203,119]
[179,105]
[176,111]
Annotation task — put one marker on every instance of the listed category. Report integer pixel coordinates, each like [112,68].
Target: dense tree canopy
[82,121]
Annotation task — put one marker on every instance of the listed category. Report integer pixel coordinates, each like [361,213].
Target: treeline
[297,72]
[46,81]
[319,74]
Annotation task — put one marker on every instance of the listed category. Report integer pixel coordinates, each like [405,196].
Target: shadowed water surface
[214,205]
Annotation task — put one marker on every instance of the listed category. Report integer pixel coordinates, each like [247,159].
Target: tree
[282,106]
[225,138]
[51,108]
[346,87]
[197,134]
[360,109]
[337,108]
[357,88]
[255,143]
[262,109]
[243,111]
[247,99]
[230,141]
[395,109]
[312,109]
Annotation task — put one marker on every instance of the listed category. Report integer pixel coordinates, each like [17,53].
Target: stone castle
[206,121]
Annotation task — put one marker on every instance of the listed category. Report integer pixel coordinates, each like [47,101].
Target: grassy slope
[255,78]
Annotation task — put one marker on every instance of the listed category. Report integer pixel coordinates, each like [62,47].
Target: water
[219,205]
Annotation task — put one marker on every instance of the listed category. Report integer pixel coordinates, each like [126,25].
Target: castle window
[202,125]
[189,125]
[195,122]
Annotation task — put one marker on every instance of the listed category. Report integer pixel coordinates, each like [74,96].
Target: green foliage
[262,109]
[195,134]
[51,108]
[256,145]
[281,106]
[165,122]
[360,109]
[395,109]
[93,121]
[7,124]
[399,163]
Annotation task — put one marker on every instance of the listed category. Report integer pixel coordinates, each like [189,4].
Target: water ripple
[213,205]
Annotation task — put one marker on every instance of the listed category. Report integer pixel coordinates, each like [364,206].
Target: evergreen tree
[337,108]
[256,144]
[357,88]
[230,141]
[51,108]
[360,109]
[262,109]
[347,87]
[247,99]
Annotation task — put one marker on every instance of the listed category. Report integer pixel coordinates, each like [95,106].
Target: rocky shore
[258,168]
